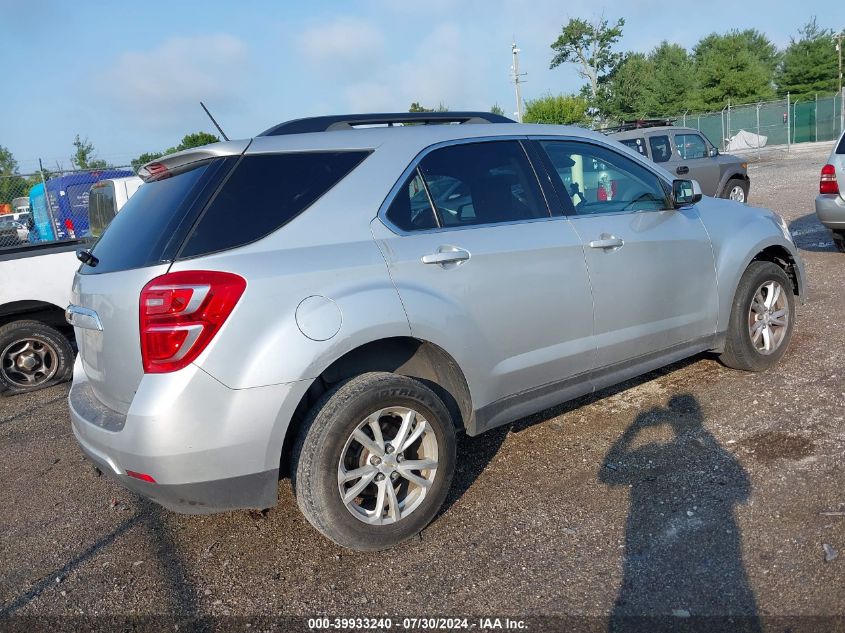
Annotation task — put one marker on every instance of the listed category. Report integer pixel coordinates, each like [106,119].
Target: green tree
[809,65]
[416,107]
[189,141]
[145,158]
[672,83]
[12,184]
[557,109]
[590,47]
[83,157]
[497,109]
[737,66]
[628,89]
[196,139]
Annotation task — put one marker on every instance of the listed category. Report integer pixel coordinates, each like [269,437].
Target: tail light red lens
[181,313]
[142,476]
[827,183]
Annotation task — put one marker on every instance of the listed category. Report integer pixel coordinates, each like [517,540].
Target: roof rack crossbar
[350,121]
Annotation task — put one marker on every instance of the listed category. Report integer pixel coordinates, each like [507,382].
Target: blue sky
[129,76]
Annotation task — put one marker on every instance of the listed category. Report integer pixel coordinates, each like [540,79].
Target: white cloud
[162,87]
[441,67]
[341,43]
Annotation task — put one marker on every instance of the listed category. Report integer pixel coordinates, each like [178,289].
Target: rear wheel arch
[34,310]
[402,355]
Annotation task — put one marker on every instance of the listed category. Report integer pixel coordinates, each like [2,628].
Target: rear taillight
[180,314]
[827,183]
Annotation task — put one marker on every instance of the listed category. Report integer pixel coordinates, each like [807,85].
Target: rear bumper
[209,448]
[830,210]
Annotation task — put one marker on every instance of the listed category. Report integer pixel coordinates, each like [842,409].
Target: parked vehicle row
[395,286]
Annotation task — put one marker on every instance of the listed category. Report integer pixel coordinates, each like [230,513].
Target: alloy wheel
[388,465]
[768,317]
[737,194]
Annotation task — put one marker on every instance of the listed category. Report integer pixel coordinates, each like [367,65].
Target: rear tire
[33,356]
[762,318]
[351,483]
[737,190]
[839,240]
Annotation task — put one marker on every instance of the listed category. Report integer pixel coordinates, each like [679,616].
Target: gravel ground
[692,490]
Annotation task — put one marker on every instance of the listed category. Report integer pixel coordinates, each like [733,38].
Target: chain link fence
[783,122]
[52,207]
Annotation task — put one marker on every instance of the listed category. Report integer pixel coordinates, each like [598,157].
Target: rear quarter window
[265,192]
[636,144]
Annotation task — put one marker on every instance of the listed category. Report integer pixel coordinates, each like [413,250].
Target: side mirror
[685,192]
[714,152]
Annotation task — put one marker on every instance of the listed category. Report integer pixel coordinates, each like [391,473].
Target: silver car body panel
[830,207]
[111,355]
[533,317]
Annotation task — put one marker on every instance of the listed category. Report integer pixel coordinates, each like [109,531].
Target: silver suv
[335,300]
[687,153]
[830,203]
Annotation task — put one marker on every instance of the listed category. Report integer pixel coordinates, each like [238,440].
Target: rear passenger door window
[482,183]
[661,149]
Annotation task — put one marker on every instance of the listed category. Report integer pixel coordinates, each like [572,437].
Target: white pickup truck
[36,348]
[36,343]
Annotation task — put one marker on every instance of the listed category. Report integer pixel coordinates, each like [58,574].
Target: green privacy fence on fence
[784,121]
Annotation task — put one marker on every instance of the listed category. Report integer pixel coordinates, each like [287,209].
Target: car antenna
[219,129]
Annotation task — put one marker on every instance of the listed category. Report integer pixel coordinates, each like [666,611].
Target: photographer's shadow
[683,550]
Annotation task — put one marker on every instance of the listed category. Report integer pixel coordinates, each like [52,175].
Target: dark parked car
[12,233]
[686,153]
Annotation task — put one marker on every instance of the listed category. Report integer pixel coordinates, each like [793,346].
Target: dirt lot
[693,490]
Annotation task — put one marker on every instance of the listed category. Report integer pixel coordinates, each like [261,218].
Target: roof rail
[350,121]
[636,125]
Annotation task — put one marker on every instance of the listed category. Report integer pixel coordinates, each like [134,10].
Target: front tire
[762,318]
[33,355]
[736,190]
[374,460]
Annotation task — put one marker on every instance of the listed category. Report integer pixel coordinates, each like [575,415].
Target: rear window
[840,149]
[265,192]
[152,224]
[100,207]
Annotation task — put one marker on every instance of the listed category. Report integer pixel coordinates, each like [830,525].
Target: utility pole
[516,77]
[841,90]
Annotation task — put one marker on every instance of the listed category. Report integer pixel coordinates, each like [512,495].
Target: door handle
[446,255]
[683,169]
[608,242]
